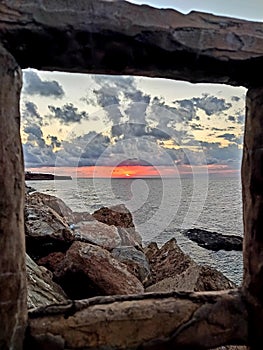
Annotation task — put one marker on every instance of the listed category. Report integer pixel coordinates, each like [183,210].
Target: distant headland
[43,176]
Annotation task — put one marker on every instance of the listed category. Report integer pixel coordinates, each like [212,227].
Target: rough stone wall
[12,255]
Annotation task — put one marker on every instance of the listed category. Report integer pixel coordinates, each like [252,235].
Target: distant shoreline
[43,176]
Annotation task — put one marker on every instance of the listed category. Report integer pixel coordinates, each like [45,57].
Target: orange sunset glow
[136,171]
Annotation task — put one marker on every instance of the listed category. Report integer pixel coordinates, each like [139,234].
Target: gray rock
[130,237]
[97,233]
[41,289]
[46,231]
[41,199]
[135,261]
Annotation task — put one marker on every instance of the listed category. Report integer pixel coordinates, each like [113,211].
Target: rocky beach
[79,255]
[75,259]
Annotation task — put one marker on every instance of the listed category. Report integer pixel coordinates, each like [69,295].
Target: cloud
[214,151]
[82,150]
[34,130]
[235,98]
[208,103]
[231,118]
[232,138]
[30,114]
[54,142]
[67,114]
[37,152]
[33,85]
[227,136]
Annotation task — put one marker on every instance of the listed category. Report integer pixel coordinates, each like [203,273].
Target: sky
[122,126]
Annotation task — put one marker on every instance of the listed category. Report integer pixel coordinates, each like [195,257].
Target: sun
[127,175]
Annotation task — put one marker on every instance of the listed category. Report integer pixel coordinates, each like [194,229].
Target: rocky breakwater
[81,255]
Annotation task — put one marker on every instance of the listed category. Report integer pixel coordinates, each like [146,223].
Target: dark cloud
[211,104]
[37,152]
[130,130]
[38,156]
[232,138]
[197,127]
[231,118]
[34,130]
[217,129]
[54,142]
[30,114]
[83,150]
[67,114]
[221,154]
[227,136]
[208,103]
[33,85]
[235,98]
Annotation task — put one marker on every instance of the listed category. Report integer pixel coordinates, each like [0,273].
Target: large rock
[51,261]
[41,199]
[117,215]
[130,237]
[108,237]
[195,279]
[214,240]
[97,233]
[46,231]
[41,289]
[59,206]
[168,261]
[173,270]
[89,270]
[81,216]
[135,261]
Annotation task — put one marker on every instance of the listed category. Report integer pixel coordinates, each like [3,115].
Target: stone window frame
[121,38]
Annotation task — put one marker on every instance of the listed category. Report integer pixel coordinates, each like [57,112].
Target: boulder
[130,237]
[117,215]
[97,233]
[106,236]
[195,279]
[135,261]
[168,261]
[173,270]
[41,199]
[81,216]
[51,261]
[41,289]
[46,231]
[89,270]
[213,240]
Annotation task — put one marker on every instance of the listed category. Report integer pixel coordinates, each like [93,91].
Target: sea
[163,208]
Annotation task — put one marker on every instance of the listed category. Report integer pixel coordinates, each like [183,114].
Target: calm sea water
[163,208]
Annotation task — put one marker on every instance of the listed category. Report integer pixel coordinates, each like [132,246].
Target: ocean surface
[163,208]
